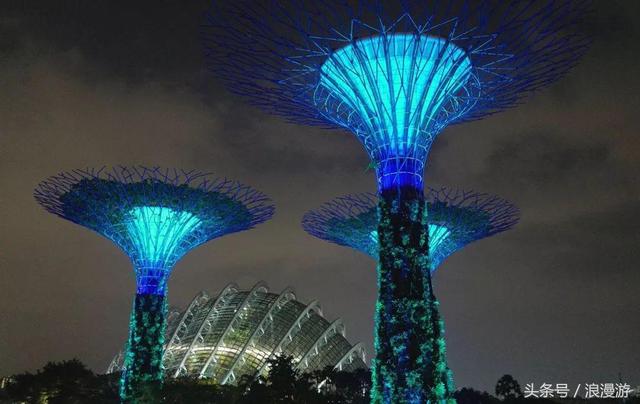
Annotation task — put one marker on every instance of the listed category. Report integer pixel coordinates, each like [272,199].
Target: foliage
[72,382]
[194,390]
[142,377]
[62,382]
[470,396]
[508,388]
[410,364]
[344,387]
[283,384]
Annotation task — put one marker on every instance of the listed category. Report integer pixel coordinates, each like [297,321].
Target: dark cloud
[93,83]
[138,43]
[540,159]
[583,244]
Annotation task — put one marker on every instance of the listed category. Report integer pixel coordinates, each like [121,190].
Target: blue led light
[394,76]
[394,88]
[154,215]
[157,235]
[157,232]
[437,235]
[396,84]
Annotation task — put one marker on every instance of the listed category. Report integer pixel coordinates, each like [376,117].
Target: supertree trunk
[142,375]
[410,364]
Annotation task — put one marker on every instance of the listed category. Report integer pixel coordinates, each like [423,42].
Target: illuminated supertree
[456,218]
[395,74]
[155,216]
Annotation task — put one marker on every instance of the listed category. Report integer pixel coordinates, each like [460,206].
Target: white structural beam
[286,296]
[260,286]
[200,299]
[348,357]
[336,326]
[231,288]
[297,325]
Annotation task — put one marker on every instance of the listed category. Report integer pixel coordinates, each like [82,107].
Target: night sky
[85,84]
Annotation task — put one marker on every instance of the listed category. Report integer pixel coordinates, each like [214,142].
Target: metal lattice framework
[394,73]
[154,215]
[455,219]
[233,334]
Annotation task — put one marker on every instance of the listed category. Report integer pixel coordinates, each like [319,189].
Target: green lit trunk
[142,376]
[410,364]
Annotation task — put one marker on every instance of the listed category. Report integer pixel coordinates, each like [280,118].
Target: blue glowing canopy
[157,232]
[159,236]
[391,91]
[455,219]
[154,215]
[394,73]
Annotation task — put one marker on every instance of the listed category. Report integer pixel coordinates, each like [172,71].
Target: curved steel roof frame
[357,348]
[286,296]
[214,306]
[197,301]
[313,306]
[336,326]
[259,286]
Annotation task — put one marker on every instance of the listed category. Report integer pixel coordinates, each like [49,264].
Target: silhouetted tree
[470,396]
[343,387]
[282,385]
[61,382]
[282,379]
[508,388]
[71,382]
[186,389]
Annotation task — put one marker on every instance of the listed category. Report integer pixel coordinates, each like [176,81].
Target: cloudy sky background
[90,84]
